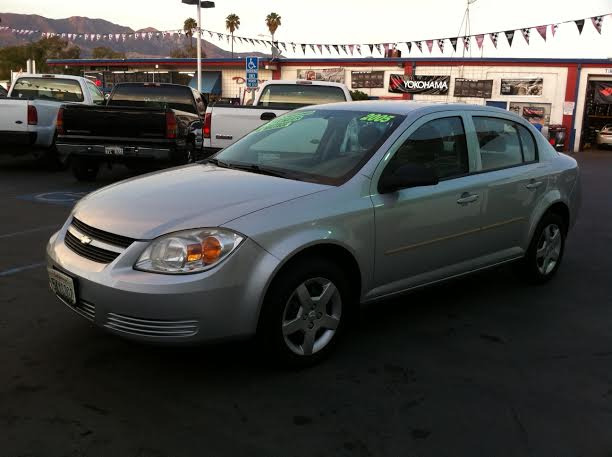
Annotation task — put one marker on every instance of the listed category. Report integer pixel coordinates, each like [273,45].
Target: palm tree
[232,23]
[273,21]
[189,26]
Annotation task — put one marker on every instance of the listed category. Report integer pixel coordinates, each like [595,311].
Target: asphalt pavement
[484,366]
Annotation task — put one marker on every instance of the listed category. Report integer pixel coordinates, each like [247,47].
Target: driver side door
[424,234]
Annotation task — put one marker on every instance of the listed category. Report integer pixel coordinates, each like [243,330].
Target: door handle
[534,184]
[466,198]
[267,116]
[18,122]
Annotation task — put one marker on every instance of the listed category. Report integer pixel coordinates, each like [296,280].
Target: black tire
[84,169]
[186,156]
[533,267]
[53,161]
[282,298]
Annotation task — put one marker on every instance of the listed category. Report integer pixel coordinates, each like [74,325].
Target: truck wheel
[84,169]
[186,156]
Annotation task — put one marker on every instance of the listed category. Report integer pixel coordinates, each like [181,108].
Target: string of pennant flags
[348,49]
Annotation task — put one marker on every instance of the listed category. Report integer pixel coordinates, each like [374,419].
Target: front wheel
[305,312]
[546,249]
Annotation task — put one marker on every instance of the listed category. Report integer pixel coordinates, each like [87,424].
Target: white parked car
[604,136]
[28,114]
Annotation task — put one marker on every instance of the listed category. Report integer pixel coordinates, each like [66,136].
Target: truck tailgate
[13,115]
[114,122]
[230,123]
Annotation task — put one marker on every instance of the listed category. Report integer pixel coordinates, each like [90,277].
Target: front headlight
[188,251]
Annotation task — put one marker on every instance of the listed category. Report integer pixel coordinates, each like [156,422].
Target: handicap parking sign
[252,72]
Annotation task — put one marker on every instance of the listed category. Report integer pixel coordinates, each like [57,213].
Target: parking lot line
[12,271]
[23,232]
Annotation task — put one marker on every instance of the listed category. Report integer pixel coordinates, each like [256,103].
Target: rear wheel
[546,249]
[305,312]
[84,169]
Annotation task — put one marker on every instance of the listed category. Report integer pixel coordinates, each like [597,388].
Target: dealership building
[574,93]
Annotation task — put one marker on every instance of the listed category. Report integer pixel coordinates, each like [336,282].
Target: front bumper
[18,138]
[221,303]
[162,154]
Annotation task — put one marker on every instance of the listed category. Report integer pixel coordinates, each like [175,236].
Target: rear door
[13,115]
[514,182]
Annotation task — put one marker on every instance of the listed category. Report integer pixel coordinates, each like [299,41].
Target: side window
[500,144]
[95,93]
[528,144]
[438,144]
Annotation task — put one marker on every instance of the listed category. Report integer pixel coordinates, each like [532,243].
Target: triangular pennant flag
[441,45]
[526,33]
[303,48]
[210,33]
[328,49]
[580,25]
[429,45]
[419,45]
[479,40]
[320,48]
[454,43]
[358,48]
[379,48]
[386,48]
[293,46]
[335,46]
[494,37]
[219,36]
[313,48]
[597,21]
[466,43]
[228,38]
[351,48]
[284,45]
[343,47]
[509,36]
[553,28]
[542,31]
[409,46]
[371,46]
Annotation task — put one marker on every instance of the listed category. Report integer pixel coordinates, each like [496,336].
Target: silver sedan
[284,233]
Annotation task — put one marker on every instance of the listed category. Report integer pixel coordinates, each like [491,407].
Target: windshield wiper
[219,163]
[262,170]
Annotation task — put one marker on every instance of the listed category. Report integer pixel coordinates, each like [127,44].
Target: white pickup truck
[29,112]
[225,124]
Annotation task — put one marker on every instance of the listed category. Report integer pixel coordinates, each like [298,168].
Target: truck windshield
[323,146]
[298,95]
[176,97]
[61,90]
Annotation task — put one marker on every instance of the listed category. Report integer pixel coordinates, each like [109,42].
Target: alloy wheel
[549,249]
[311,316]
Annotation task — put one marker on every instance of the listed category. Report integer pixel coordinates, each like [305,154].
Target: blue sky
[361,21]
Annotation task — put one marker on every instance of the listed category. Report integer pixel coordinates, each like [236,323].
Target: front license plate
[62,285]
[114,150]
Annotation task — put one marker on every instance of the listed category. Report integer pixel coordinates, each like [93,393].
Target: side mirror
[406,176]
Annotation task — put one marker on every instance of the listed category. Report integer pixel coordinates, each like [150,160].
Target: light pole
[201,5]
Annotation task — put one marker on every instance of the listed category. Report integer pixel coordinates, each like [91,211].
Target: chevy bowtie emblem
[85,239]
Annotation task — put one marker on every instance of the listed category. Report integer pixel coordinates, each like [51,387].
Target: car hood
[194,196]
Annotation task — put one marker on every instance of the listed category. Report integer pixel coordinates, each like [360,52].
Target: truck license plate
[114,150]
[62,285]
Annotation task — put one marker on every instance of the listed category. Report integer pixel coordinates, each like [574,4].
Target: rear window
[297,95]
[174,97]
[61,90]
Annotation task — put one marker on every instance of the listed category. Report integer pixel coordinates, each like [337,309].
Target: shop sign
[522,87]
[419,84]
[367,79]
[334,75]
[480,88]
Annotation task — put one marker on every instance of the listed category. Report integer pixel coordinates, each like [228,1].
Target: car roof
[405,107]
[303,82]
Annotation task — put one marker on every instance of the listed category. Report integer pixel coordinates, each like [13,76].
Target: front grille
[101,235]
[85,309]
[151,327]
[88,251]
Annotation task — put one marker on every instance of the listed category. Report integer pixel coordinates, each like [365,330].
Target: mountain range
[77,24]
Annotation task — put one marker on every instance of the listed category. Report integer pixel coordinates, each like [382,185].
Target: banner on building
[534,112]
[419,84]
[526,87]
[481,88]
[367,79]
[603,93]
[334,75]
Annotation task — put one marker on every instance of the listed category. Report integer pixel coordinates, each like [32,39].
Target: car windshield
[323,146]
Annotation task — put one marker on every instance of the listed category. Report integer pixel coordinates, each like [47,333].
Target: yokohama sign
[419,84]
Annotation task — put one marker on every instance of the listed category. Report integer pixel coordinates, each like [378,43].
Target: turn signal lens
[211,250]
[194,252]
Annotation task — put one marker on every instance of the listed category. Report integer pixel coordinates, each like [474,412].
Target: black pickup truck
[142,125]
